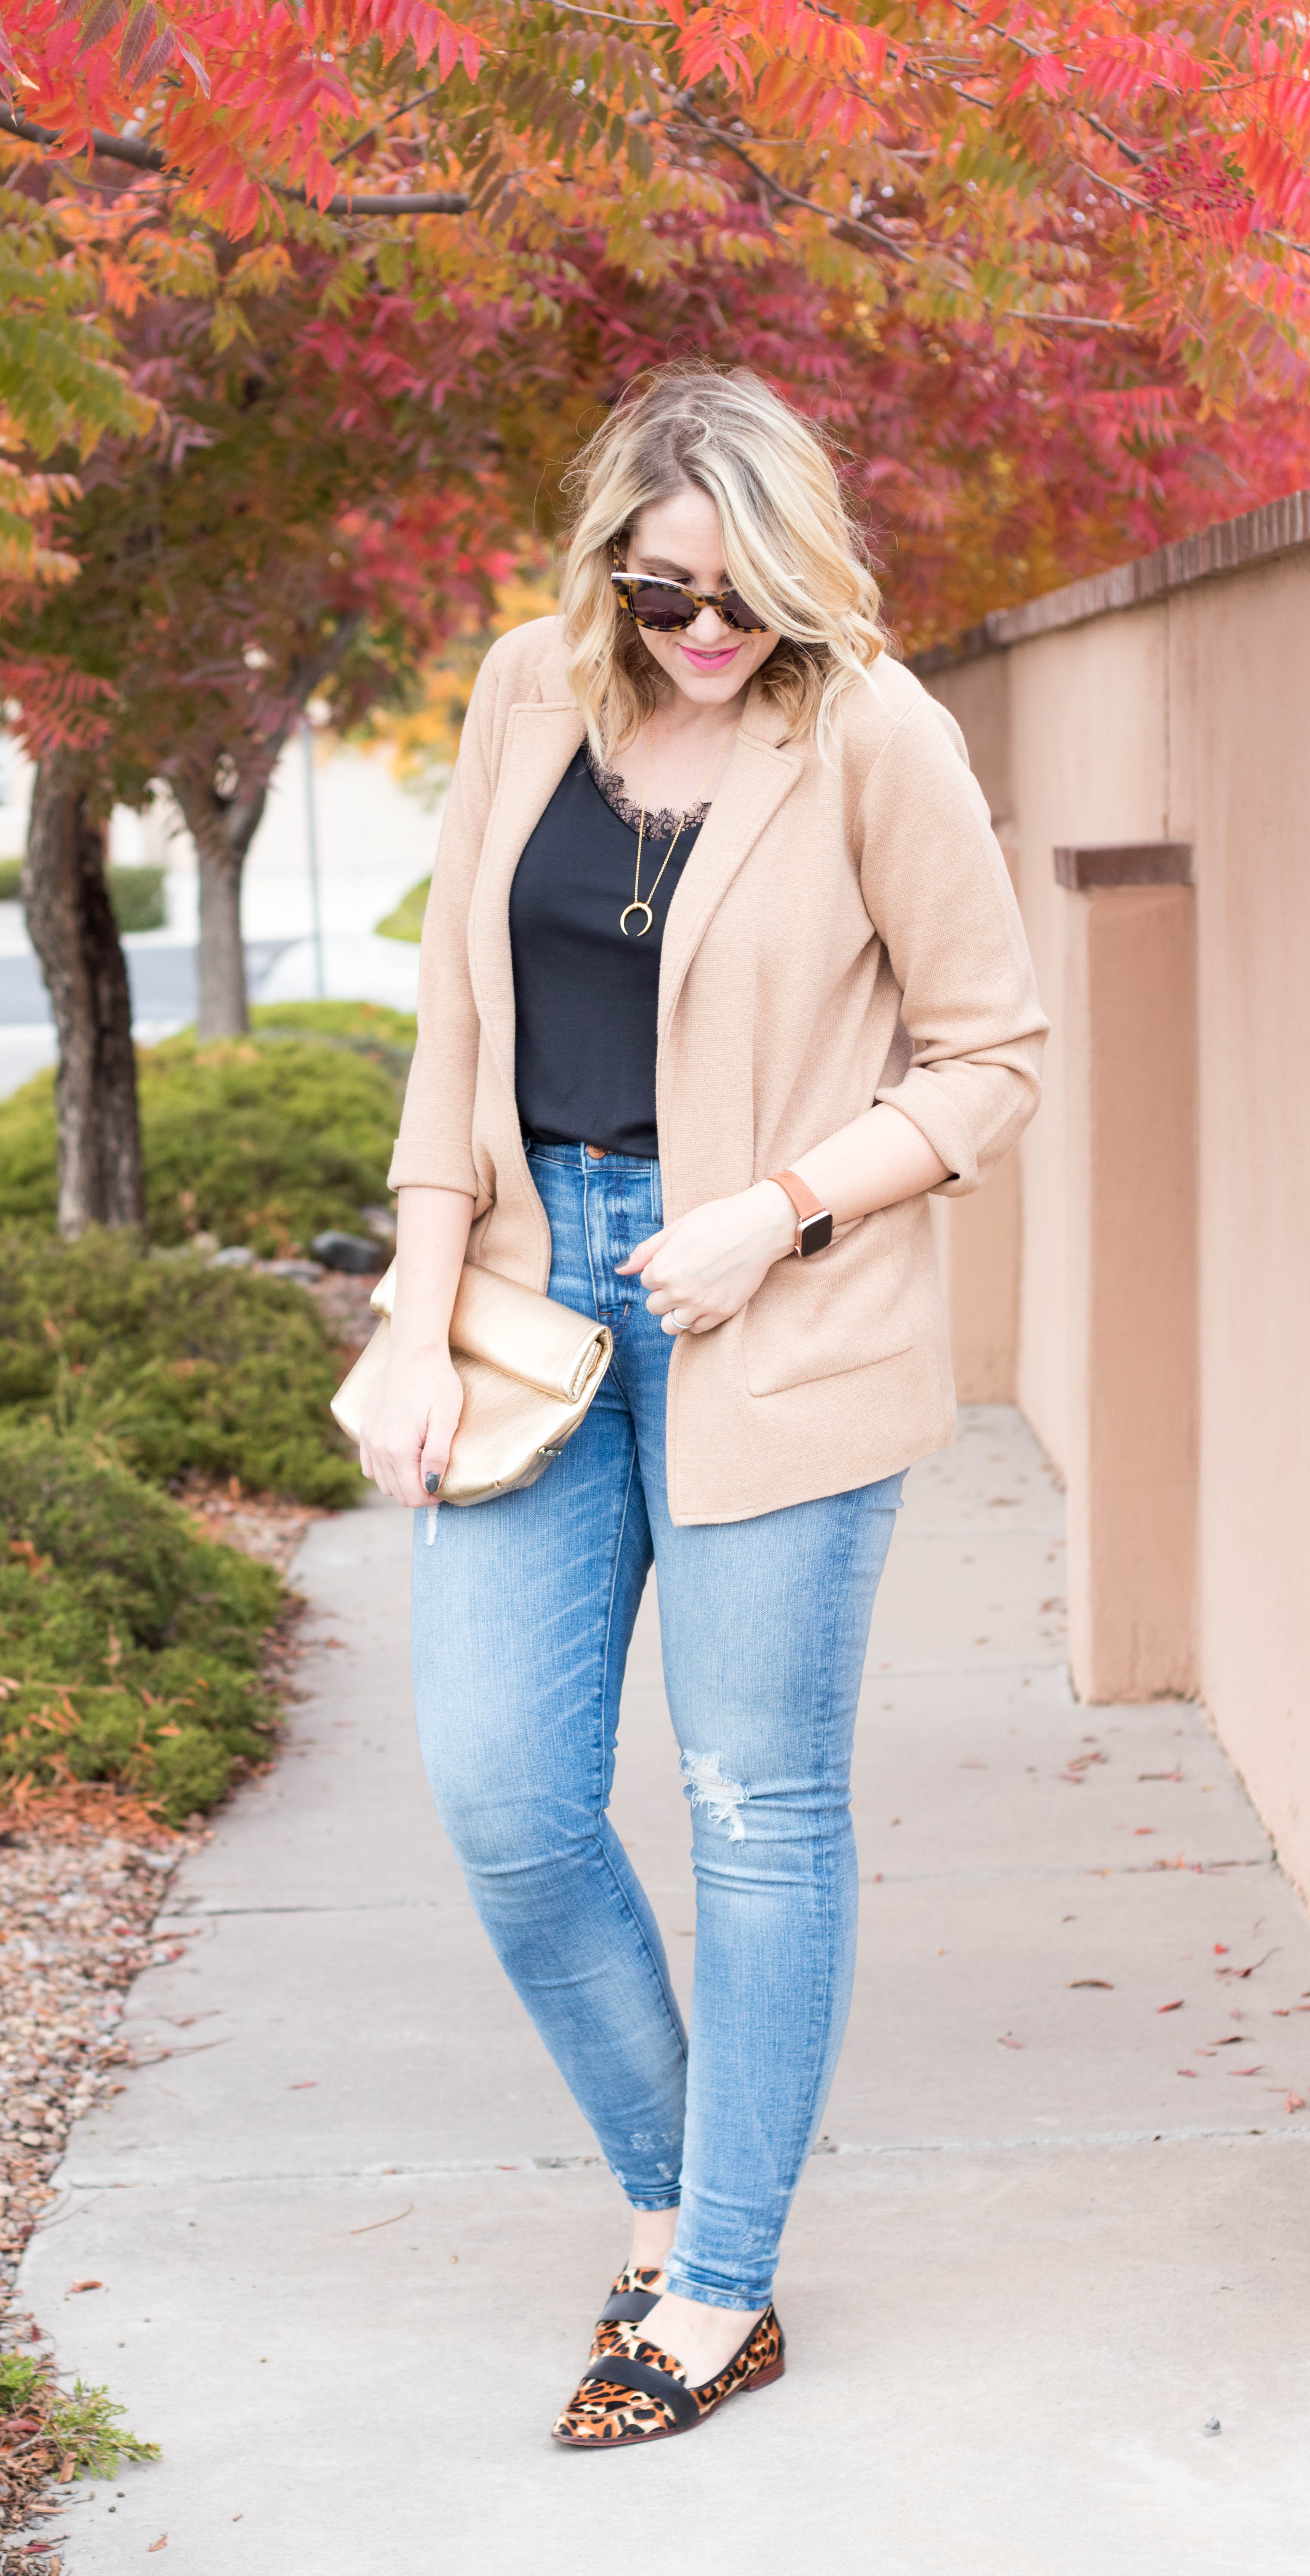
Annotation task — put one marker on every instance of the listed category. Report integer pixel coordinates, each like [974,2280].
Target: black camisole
[586,997]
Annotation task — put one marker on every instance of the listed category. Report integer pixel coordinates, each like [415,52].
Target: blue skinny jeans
[523,1614]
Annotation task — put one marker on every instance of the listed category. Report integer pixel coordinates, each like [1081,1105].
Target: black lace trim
[661,822]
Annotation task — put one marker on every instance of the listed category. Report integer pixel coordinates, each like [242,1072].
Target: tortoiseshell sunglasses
[668,606]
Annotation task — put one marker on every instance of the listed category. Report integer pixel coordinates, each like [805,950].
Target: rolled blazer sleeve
[939,895]
[434,1149]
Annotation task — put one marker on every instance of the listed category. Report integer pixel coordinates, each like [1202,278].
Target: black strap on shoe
[628,2307]
[621,2371]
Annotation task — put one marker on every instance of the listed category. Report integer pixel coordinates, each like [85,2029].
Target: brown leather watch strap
[813,1219]
[802,1199]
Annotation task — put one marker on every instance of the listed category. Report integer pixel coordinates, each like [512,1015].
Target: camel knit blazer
[843,932]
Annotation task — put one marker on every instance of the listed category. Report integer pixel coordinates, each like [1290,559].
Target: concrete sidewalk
[352,2232]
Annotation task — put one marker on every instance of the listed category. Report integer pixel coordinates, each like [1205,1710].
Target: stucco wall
[1156,1239]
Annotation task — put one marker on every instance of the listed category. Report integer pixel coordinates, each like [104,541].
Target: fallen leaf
[307,2087]
[1187,2070]
[1007,2042]
[1248,2070]
[1255,1963]
[75,2286]
[1175,2007]
[1221,1949]
[1143,1829]
[161,2543]
[1296,2101]
[1159,1775]
[1090,1981]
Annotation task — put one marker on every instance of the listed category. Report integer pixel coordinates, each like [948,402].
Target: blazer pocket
[842,1308]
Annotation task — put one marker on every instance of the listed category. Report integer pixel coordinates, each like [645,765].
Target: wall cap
[1231,546]
[1125,863]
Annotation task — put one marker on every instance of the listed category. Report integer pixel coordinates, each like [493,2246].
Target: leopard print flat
[634,2294]
[632,2392]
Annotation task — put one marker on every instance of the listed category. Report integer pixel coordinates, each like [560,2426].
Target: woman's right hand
[409,1424]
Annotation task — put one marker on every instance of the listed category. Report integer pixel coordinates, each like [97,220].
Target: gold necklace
[644,903]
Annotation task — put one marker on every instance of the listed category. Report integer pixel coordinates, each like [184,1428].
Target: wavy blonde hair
[789,546]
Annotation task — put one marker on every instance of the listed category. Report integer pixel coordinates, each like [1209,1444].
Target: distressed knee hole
[706,1787]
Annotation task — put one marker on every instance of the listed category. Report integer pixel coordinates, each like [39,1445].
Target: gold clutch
[529,1369]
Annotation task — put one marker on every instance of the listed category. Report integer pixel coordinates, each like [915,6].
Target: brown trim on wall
[1233,545]
[1127,863]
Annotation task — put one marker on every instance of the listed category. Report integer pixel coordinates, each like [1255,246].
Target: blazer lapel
[760,773]
[540,741]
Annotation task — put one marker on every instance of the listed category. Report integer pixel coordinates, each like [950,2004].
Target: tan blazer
[841,934]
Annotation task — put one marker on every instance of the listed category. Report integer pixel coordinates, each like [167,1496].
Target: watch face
[814,1233]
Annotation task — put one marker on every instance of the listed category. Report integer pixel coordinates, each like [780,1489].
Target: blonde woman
[721,976]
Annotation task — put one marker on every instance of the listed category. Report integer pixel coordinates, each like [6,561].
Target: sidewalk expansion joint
[478,2168]
[364,1905]
[1074,1869]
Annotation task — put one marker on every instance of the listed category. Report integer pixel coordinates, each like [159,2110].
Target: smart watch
[813,1220]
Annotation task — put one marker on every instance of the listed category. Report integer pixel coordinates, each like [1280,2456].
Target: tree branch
[788,196]
[146,156]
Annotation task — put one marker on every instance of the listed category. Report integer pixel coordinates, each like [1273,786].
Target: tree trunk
[223,818]
[73,931]
[222,831]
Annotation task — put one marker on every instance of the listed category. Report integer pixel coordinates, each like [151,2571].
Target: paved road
[162,978]
[352,2241]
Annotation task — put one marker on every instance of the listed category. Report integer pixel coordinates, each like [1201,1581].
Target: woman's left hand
[705,1266]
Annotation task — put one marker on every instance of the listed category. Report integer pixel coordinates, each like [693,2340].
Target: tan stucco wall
[1240,788]
[1159,1288]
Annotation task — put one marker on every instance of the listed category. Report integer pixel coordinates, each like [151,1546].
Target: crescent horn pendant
[625,916]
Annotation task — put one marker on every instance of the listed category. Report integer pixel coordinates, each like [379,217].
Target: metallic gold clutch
[529,1369]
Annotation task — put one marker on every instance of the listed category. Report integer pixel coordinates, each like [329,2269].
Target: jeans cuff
[638,2200]
[714,2289]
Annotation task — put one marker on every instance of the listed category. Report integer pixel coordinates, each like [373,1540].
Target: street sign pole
[311,844]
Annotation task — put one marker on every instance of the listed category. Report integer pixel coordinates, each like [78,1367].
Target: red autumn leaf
[75,2286]
[1174,2007]
[1007,2042]
[1296,2101]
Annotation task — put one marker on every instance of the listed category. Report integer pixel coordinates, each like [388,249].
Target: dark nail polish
[432,1482]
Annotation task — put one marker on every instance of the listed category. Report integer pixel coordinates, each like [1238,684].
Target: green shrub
[406,922]
[174,1363]
[372,1026]
[262,1140]
[137,894]
[129,1646]
[137,897]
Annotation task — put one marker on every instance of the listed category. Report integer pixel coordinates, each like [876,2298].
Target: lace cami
[586,996]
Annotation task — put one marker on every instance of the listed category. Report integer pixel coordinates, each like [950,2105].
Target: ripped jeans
[523,1613]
